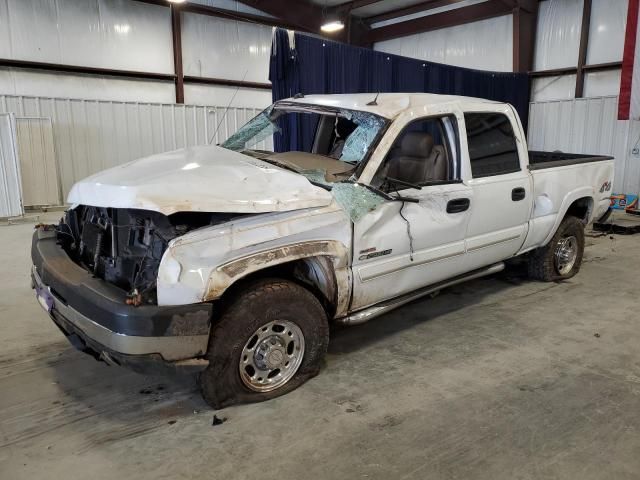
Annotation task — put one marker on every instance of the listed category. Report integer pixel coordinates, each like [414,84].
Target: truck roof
[389,105]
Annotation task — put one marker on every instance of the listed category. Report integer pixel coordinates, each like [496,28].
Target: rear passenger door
[501,183]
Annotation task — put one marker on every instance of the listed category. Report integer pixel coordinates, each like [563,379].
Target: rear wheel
[562,256]
[270,340]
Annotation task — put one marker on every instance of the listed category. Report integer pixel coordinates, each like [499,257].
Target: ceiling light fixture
[176,1]
[332,26]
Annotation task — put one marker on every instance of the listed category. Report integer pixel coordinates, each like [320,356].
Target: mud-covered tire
[543,263]
[257,305]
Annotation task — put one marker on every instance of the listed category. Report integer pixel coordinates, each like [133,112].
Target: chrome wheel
[271,356]
[566,254]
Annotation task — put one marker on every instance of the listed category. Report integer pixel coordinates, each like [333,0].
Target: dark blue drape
[318,66]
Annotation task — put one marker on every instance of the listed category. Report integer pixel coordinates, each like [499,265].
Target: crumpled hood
[199,179]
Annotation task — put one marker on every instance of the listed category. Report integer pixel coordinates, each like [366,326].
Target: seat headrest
[416,144]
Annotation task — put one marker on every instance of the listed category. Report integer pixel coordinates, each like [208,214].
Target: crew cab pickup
[234,259]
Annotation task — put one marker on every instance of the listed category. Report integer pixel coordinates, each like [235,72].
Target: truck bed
[540,160]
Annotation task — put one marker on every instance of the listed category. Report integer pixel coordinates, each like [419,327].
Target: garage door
[40,179]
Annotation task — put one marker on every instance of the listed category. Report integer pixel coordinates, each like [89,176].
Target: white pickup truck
[233,260]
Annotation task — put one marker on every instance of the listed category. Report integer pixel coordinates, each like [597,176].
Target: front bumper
[94,316]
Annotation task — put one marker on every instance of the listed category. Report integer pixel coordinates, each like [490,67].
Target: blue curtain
[317,66]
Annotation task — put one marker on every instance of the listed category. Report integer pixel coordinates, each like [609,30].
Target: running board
[369,313]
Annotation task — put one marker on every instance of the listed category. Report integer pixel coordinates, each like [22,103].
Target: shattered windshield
[253,132]
[326,145]
[346,136]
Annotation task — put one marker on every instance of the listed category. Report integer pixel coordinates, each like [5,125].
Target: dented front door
[399,248]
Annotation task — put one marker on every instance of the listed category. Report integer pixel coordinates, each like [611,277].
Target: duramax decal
[374,254]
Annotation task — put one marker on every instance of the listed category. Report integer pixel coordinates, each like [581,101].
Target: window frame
[455,164]
[515,140]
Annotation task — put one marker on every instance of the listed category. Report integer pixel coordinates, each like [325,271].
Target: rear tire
[269,341]
[561,258]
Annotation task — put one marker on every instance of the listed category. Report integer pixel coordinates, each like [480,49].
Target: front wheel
[270,340]
[561,258]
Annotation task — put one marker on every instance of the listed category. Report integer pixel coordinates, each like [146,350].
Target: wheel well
[316,274]
[581,209]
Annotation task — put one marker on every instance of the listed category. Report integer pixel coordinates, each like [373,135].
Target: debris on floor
[627,223]
[218,421]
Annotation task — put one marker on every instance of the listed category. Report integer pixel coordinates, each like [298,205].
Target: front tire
[561,258]
[270,340]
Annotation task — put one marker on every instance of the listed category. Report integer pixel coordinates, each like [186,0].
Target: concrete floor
[500,378]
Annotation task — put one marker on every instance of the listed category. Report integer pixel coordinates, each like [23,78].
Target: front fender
[201,265]
[226,275]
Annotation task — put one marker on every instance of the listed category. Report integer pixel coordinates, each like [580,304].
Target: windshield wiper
[385,195]
[403,183]
[286,166]
[318,184]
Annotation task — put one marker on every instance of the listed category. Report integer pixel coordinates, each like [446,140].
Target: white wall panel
[232,5]
[377,8]
[601,84]
[200,94]
[558,34]
[485,45]
[10,185]
[118,34]
[220,48]
[589,126]
[91,135]
[38,165]
[553,88]
[17,81]
[606,32]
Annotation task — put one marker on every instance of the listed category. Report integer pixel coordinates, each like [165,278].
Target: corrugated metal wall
[128,35]
[589,125]
[38,164]
[91,135]
[10,190]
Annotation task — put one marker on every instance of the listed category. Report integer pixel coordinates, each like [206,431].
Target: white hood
[199,179]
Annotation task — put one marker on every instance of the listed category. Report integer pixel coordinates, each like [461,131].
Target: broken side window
[359,142]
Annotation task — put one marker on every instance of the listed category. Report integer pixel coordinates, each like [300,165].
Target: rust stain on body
[225,275]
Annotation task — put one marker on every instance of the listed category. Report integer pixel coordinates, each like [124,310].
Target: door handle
[458,205]
[518,194]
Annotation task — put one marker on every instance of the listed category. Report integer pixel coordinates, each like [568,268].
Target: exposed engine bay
[124,246]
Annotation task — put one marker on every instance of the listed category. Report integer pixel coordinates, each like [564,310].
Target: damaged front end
[124,246]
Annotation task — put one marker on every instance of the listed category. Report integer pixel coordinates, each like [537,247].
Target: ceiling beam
[223,13]
[357,32]
[524,37]
[305,15]
[77,69]
[530,6]
[354,4]
[176,34]
[410,10]
[582,51]
[450,18]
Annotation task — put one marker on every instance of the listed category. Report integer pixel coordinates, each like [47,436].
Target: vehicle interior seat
[418,160]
